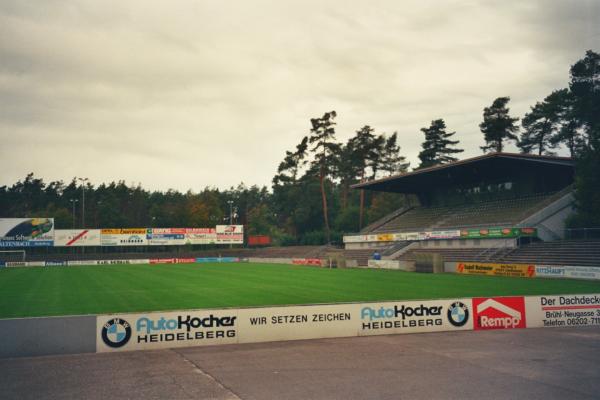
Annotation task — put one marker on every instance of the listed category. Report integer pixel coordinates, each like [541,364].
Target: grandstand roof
[488,167]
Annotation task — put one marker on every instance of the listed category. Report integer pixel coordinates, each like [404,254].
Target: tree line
[310,200]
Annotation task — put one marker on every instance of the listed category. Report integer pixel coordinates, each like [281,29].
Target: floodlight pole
[73,201]
[83,182]
[230,202]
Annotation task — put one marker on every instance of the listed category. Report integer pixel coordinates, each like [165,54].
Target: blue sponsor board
[55,263]
[172,236]
[217,259]
[2,264]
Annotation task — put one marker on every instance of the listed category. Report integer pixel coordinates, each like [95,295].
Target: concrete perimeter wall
[24,337]
[185,328]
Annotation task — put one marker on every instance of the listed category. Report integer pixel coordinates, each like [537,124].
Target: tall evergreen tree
[288,169]
[570,129]
[325,150]
[497,125]
[391,162]
[542,123]
[436,147]
[585,87]
[366,154]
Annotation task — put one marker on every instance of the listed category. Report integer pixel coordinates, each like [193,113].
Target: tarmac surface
[561,363]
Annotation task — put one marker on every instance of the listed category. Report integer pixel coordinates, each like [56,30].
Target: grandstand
[494,192]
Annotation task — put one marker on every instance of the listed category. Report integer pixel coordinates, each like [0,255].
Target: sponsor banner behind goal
[76,237]
[26,232]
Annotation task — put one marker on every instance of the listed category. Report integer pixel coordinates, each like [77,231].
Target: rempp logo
[499,313]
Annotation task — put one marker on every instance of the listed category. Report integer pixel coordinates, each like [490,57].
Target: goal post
[12,255]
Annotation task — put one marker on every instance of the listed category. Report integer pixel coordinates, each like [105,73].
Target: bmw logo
[116,333]
[458,314]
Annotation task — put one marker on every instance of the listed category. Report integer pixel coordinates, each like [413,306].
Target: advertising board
[200,236]
[496,269]
[499,313]
[25,263]
[76,237]
[307,261]
[208,327]
[259,240]
[451,234]
[497,233]
[415,316]
[82,262]
[171,261]
[233,234]
[388,264]
[553,271]
[385,237]
[217,259]
[123,237]
[26,232]
[166,329]
[483,233]
[165,236]
[563,311]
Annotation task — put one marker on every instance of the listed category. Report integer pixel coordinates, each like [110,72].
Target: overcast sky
[188,94]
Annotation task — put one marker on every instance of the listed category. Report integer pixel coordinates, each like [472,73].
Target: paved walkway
[561,363]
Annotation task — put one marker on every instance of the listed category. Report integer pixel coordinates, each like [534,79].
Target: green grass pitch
[27,292]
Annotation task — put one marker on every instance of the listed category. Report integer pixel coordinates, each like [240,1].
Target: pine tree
[288,169]
[542,123]
[585,87]
[391,161]
[436,148]
[497,125]
[570,129]
[325,150]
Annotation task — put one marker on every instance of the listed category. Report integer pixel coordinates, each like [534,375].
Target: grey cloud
[196,93]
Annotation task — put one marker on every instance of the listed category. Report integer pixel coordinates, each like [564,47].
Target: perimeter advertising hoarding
[124,237]
[491,313]
[26,232]
[415,316]
[259,240]
[497,233]
[496,269]
[230,234]
[76,237]
[484,233]
[208,327]
[555,271]
[563,311]
[200,236]
[165,236]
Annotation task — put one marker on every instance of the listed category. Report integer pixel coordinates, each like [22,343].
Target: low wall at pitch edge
[171,329]
[523,270]
[199,260]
